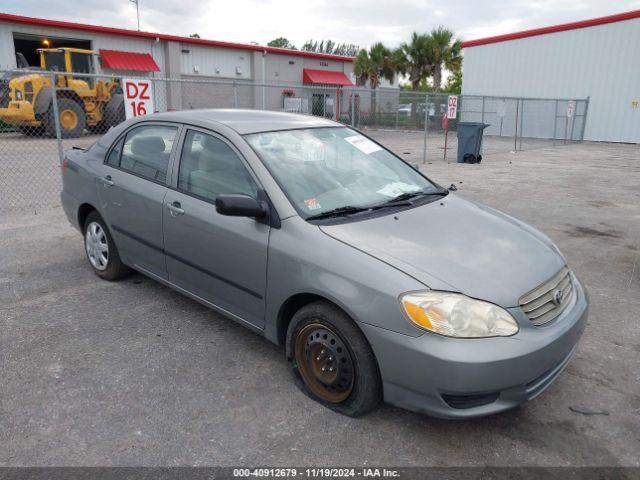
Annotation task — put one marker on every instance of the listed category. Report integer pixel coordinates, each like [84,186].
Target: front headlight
[456,315]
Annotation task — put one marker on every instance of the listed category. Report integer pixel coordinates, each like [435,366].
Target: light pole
[137,11]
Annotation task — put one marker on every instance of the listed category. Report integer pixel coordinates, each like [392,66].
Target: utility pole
[137,11]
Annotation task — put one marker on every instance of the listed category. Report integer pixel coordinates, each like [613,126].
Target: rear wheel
[71,117]
[101,250]
[332,361]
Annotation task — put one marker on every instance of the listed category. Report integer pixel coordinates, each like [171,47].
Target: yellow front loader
[83,102]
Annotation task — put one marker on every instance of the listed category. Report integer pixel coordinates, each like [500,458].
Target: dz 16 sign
[138,97]
[452,106]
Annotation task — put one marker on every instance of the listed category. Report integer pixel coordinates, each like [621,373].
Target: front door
[132,191]
[221,259]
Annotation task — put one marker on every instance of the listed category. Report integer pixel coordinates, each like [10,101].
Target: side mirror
[238,205]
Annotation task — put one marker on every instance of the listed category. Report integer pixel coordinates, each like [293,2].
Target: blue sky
[353,21]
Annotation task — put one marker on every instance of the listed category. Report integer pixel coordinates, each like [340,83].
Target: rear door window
[146,151]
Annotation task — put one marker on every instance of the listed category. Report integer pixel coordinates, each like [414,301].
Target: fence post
[521,122]
[555,123]
[353,108]
[515,139]
[573,118]
[584,117]
[235,95]
[426,123]
[324,104]
[56,116]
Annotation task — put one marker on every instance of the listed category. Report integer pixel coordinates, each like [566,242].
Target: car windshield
[323,169]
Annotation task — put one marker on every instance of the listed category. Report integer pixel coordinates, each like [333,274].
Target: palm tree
[415,60]
[446,52]
[372,66]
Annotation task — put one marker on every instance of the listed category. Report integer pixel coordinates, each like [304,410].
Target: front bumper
[19,113]
[463,378]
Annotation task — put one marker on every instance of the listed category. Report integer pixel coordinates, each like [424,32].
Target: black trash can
[470,141]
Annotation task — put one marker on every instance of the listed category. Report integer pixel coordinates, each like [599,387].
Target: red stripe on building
[620,17]
[162,36]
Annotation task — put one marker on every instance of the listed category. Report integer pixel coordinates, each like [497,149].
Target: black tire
[119,115]
[98,128]
[114,269]
[66,106]
[365,391]
[32,131]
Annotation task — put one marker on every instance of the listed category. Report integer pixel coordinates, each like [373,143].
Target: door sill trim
[199,299]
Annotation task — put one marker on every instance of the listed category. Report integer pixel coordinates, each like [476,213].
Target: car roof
[244,121]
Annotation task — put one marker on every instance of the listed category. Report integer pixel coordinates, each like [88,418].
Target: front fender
[303,259]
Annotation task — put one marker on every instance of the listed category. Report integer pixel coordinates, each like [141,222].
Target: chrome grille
[546,302]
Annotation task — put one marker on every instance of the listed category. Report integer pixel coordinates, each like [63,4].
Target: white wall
[602,62]
[215,62]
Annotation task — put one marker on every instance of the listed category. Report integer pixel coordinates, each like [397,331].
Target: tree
[372,66]
[331,47]
[446,52]
[415,59]
[454,83]
[281,42]
[194,35]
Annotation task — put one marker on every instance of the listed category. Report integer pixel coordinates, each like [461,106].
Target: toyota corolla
[379,283]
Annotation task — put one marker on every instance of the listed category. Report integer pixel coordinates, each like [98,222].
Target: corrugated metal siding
[601,62]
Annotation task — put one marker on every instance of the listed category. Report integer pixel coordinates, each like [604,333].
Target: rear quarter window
[113,159]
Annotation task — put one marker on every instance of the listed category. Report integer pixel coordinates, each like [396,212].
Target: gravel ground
[132,373]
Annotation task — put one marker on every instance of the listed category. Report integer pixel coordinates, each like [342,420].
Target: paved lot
[130,373]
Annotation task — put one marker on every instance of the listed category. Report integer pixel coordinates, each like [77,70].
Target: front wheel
[101,250]
[332,361]
[71,117]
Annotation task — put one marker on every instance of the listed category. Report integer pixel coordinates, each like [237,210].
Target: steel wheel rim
[68,119]
[325,363]
[96,245]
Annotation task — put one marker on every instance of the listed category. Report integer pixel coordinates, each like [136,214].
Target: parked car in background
[378,282]
[404,110]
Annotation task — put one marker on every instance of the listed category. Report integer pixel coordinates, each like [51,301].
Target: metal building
[597,58]
[146,54]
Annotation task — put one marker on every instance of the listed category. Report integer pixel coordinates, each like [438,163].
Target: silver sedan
[378,283]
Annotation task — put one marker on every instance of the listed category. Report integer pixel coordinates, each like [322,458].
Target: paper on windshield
[397,188]
[363,144]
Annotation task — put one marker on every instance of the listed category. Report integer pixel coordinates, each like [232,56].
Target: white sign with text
[138,97]
[452,106]
[571,105]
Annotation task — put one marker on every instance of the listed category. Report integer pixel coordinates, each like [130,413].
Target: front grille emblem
[558,296]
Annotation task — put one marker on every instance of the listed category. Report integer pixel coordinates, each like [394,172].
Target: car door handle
[175,208]
[106,181]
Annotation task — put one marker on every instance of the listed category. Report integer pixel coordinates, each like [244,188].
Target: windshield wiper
[401,199]
[336,212]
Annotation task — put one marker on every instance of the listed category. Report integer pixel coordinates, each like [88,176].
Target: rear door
[132,190]
[221,259]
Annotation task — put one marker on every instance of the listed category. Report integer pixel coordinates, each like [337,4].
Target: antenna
[137,11]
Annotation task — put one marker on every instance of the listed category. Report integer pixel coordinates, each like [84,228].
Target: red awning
[140,62]
[325,77]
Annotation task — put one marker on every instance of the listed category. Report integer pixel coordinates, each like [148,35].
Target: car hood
[457,245]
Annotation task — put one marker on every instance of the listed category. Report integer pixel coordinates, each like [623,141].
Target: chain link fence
[43,113]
